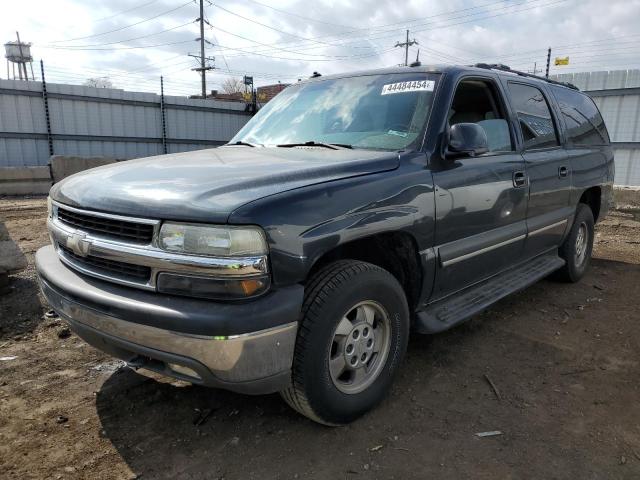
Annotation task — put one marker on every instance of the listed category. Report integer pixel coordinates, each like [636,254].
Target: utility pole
[203,66]
[406,46]
[548,61]
[204,72]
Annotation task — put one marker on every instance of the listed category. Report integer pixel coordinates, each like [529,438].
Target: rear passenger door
[547,166]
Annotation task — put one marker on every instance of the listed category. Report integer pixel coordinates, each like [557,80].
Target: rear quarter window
[584,123]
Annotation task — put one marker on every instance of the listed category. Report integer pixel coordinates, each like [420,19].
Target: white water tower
[18,54]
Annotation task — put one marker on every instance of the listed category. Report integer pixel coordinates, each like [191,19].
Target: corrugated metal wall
[114,123]
[617,94]
[88,121]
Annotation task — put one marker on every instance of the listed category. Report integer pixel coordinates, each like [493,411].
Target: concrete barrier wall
[38,180]
[25,180]
[62,166]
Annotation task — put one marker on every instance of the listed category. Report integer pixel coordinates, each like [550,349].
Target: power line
[315,20]
[374,27]
[428,25]
[71,47]
[224,59]
[377,34]
[276,48]
[125,11]
[125,27]
[269,47]
[266,26]
[336,59]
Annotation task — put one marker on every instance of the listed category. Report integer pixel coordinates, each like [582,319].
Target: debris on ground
[7,359]
[493,387]
[62,419]
[109,366]
[492,433]
[51,314]
[64,333]
[202,416]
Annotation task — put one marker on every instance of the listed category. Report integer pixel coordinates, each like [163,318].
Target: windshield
[385,112]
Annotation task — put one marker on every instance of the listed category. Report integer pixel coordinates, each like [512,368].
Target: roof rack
[505,68]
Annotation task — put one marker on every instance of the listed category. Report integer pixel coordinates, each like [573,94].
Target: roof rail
[505,68]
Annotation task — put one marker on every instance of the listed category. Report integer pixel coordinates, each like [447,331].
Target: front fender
[304,224]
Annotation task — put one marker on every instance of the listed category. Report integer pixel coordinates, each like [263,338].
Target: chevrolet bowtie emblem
[79,244]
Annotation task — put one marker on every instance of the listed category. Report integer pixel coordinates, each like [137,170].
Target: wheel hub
[359,345]
[582,239]
[359,348]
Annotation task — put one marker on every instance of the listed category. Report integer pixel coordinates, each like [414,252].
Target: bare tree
[99,82]
[233,85]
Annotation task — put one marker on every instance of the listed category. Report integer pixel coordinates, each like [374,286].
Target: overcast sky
[133,42]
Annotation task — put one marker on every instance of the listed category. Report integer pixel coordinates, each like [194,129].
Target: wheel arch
[395,251]
[592,197]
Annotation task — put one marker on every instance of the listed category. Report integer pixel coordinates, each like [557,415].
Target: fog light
[214,288]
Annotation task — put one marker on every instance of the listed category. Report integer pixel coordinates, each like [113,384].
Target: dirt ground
[564,359]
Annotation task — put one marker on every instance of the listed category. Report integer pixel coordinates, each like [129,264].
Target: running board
[459,307]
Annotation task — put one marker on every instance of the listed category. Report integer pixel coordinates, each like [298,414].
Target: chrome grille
[120,249]
[102,266]
[107,227]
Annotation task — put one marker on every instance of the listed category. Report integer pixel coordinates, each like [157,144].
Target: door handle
[563,172]
[519,179]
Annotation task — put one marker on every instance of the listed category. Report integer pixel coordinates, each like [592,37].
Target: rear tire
[351,341]
[577,247]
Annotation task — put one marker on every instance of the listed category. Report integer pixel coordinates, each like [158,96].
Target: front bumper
[244,347]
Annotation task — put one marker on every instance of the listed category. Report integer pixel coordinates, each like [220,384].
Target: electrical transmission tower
[204,60]
[406,44]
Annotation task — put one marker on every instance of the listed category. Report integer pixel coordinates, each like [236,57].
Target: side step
[457,308]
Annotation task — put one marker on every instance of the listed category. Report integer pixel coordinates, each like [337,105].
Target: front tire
[351,341]
[577,247]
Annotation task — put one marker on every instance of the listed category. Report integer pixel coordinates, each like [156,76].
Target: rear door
[547,166]
[480,201]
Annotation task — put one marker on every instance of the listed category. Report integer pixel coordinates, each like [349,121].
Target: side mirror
[467,139]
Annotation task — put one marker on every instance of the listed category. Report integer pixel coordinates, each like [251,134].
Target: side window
[585,125]
[534,116]
[478,101]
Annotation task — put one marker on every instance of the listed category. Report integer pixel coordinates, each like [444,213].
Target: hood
[207,185]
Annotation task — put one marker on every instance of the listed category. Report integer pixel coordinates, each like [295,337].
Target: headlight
[212,240]
[215,241]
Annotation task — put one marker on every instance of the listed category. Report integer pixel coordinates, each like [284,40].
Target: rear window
[585,125]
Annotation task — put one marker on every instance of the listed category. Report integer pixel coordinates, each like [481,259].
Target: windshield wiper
[311,143]
[240,142]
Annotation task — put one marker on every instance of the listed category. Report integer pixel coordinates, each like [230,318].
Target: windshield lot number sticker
[403,87]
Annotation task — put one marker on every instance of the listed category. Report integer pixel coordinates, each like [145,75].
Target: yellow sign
[562,61]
